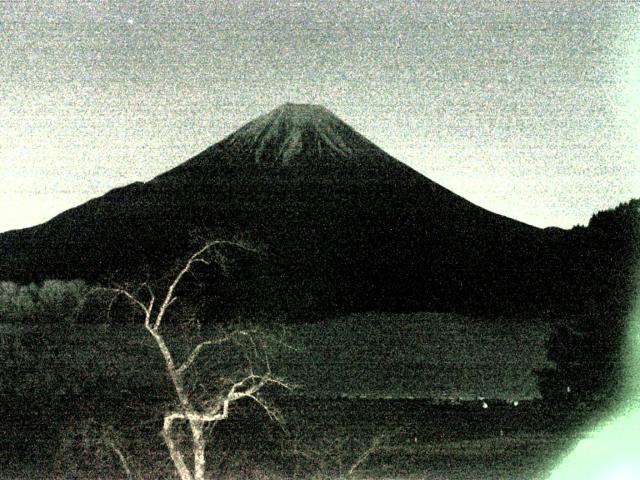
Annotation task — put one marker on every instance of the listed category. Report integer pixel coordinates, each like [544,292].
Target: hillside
[340,225]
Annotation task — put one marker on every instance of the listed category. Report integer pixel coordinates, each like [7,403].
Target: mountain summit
[295,136]
[342,226]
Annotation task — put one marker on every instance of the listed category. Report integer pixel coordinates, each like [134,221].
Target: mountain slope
[341,226]
[300,135]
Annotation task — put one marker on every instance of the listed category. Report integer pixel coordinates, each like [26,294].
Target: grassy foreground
[72,392]
[320,439]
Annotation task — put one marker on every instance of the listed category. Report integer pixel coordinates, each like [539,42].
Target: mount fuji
[340,224]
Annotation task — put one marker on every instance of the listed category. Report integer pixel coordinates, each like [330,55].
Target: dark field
[73,392]
[320,439]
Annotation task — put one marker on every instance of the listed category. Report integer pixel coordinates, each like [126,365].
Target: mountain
[341,225]
[297,135]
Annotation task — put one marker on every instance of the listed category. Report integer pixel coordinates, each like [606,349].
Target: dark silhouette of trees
[51,301]
[586,346]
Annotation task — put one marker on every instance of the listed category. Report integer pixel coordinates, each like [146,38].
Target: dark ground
[72,392]
[321,438]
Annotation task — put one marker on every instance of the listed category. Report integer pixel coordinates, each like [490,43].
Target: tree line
[48,302]
[600,283]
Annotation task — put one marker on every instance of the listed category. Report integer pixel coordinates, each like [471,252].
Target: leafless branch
[195,258]
[124,463]
[196,351]
[364,456]
[145,308]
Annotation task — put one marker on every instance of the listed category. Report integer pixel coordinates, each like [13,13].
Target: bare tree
[192,410]
[95,445]
[342,458]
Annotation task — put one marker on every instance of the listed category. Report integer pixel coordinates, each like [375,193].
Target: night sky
[527,108]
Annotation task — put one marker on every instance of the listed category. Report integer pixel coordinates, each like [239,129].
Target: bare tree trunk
[122,459]
[172,371]
[174,452]
[198,449]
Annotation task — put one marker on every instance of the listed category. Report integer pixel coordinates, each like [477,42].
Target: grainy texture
[528,108]
[521,106]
